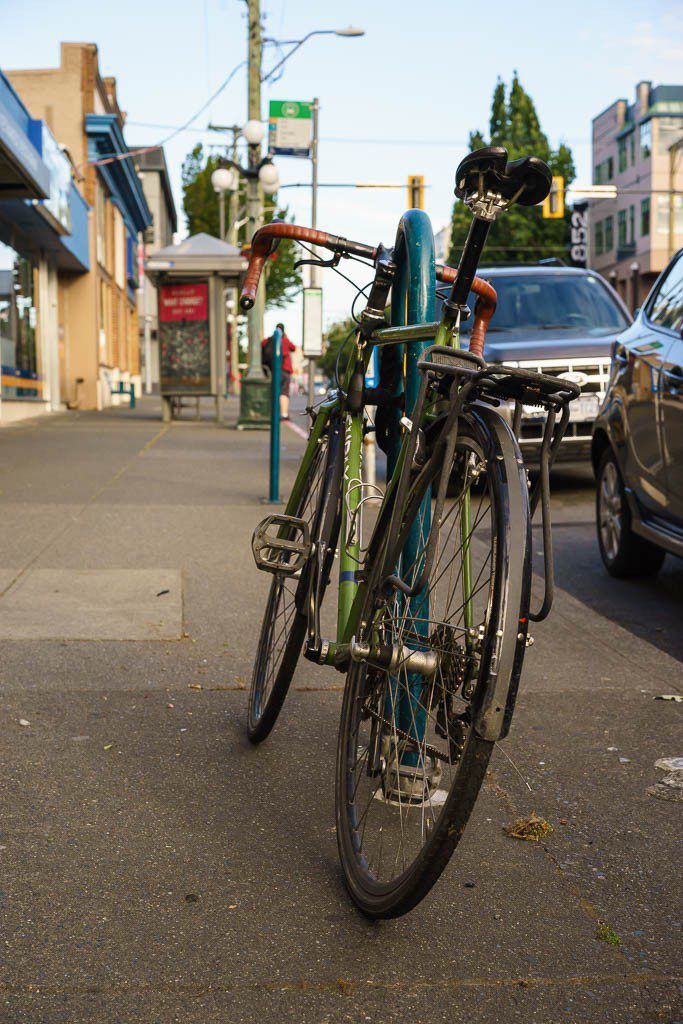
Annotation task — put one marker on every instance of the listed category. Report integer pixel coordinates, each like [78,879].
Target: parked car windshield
[544,302]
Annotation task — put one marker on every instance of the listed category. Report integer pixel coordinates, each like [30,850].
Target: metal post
[254,393]
[148,348]
[232,239]
[413,302]
[221,214]
[274,488]
[314,224]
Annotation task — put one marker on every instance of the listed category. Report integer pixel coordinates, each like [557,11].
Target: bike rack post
[412,302]
[274,488]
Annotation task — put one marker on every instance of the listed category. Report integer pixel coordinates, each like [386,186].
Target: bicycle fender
[496,693]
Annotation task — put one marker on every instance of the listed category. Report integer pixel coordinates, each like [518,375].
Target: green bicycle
[433,599]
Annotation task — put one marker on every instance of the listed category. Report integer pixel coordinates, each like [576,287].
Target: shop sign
[579,235]
[60,179]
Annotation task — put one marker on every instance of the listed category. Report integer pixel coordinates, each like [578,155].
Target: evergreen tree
[200,204]
[521,235]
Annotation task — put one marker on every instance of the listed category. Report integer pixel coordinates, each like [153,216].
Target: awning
[23,175]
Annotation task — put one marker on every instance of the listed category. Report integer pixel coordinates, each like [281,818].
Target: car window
[666,306]
[541,302]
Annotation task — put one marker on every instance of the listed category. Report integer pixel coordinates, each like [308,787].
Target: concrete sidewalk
[155,867]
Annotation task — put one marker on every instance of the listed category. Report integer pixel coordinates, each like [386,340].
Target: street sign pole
[314,224]
[274,488]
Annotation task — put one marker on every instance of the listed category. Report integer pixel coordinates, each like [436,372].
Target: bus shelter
[191,280]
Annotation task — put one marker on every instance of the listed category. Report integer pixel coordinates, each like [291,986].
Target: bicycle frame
[413,329]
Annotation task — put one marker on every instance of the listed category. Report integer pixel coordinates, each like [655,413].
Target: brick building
[97,310]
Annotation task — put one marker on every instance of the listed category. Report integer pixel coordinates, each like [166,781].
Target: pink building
[639,149]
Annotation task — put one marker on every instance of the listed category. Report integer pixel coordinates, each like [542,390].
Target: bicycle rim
[283,629]
[409,763]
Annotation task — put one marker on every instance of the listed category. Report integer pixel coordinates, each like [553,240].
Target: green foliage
[334,338]
[521,235]
[200,204]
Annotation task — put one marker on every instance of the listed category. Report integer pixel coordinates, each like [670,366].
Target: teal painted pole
[413,302]
[274,491]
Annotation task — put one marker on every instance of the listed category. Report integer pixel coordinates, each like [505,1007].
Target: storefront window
[21,377]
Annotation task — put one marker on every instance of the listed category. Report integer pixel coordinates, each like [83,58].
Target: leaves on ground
[607,934]
[531,829]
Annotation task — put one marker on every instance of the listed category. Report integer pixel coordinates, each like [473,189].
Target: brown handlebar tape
[262,247]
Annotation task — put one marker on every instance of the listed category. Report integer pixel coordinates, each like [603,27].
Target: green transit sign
[290,128]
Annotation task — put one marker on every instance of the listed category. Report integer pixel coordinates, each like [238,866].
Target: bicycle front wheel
[283,629]
[409,761]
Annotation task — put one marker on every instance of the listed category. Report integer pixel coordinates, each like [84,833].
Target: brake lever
[319,263]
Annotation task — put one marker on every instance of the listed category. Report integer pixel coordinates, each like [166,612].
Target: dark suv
[637,447]
[557,320]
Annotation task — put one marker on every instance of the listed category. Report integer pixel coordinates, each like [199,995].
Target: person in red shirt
[286,369]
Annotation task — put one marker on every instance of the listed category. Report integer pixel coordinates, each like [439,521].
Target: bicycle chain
[429,749]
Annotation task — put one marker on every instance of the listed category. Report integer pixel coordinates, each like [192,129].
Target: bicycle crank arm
[392,657]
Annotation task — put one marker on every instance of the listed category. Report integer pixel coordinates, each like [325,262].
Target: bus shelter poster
[184,348]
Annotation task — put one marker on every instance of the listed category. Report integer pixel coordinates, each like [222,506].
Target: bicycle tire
[485,434]
[266,701]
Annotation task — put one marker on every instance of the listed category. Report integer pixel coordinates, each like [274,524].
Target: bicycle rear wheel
[409,761]
[283,629]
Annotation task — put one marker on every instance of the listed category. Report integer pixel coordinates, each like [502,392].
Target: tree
[200,204]
[334,339]
[521,234]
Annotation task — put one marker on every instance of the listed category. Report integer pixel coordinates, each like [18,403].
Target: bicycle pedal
[281,544]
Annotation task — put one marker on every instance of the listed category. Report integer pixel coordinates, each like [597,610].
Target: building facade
[638,148]
[43,243]
[156,185]
[97,310]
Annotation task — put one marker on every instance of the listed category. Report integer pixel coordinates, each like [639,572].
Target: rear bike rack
[281,544]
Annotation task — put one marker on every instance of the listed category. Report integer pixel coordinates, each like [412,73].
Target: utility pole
[232,239]
[254,397]
[314,224]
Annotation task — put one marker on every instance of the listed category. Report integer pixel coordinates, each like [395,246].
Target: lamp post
[223,179]
[254,411]
[262,177]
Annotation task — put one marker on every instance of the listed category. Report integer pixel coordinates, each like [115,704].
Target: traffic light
[416,192]
[553,204]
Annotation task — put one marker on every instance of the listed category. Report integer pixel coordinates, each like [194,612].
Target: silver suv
[562,321]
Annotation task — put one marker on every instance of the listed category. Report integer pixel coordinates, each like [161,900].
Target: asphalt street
[157,868]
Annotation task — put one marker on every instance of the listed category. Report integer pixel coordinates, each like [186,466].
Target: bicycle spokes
[411,712]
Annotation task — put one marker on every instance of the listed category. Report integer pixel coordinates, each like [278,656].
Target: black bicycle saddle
[491,169]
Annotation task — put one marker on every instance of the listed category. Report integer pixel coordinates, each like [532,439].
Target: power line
[358,140]
[176,130]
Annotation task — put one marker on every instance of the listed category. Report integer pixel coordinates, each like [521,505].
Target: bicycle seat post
[489,185]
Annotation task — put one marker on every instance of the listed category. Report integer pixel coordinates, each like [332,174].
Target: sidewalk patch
[93,604]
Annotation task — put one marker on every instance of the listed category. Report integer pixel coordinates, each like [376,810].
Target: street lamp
[223,179]
[254,409]
[269,176]
[349,33]
[254,132]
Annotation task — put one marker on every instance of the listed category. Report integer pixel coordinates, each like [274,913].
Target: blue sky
[401,100]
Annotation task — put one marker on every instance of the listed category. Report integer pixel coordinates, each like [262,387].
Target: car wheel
[623,552]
